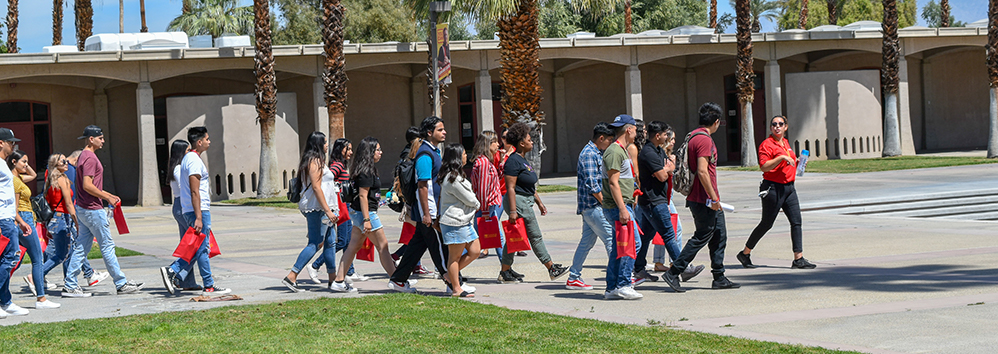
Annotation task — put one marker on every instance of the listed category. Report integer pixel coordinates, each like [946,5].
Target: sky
[35,28]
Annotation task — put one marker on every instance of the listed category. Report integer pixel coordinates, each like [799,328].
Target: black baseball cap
[7,135]
[91,131]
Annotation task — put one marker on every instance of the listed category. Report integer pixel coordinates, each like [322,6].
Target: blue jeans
[183,268]
[655,219]
[496,211]
[178,215]
[594,225]
[34,249]
[618,271]
[318,233]
[93,224]
[342,241]
[8,227]
[63,233]
[659,256]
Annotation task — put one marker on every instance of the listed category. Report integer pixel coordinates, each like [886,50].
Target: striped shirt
[340,171]
[485,181]
[590,175]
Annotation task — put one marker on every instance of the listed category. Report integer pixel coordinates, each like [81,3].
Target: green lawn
[551,188]
[882,164]
[95,253]
[275,202]
[369,324]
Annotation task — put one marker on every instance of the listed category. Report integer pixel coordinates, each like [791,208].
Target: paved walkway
[882,284]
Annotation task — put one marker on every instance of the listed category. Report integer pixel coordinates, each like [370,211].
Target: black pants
[781,196]
[425,238]
[711,232]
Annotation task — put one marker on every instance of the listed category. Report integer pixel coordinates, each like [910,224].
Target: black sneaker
[507,277]
[168,279]
[802,263]
[745,260]
[557,270]
[521,253]
[293,285]
[643,274]
[516,274]
[724,283]
[691,272]
[673,281]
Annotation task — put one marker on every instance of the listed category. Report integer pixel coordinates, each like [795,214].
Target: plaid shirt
[590,173]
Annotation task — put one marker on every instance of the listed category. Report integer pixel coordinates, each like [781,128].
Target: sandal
[464,294]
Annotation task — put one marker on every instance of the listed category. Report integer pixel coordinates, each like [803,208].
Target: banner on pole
[443,54]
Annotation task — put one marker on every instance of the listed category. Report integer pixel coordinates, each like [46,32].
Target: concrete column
[149,191]
[418,96]
[102,119]
[774,90]
[904,109]
[927,94]
[565,158]
[692,107]
[483,88]
[632,86]
[319,106]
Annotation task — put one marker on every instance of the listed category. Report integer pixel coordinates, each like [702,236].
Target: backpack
[43,211]
[348,192]
[295,189]
[683,177]
[405,181]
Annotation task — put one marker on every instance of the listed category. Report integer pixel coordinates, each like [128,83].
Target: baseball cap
[7,135]
[91,131]
[623,120]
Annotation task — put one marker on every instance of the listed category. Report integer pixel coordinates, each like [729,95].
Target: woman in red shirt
[778,163]
[485,179]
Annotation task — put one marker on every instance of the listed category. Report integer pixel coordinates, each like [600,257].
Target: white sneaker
[358,277]
[611,295]
[3,314]
[215,290]
[97,277]
[31,285]
[405,287]
[47,304]
[468,288]
[313,274]
[342,287]
[74,292]
[15,310]
[628,293]
[50,286]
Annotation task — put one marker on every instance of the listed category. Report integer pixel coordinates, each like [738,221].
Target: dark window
[15,112]
[40,111]
[466,94]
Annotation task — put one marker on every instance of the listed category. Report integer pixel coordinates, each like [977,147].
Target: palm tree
[802,20]
[121,16]
[57,22]
[84,22]
[992,59]
[11,26]
[713,14]
[745,74]
[266,102]
[142,13]
[213,17]
[889,80]
[334,77]
[944,18]
[762,9]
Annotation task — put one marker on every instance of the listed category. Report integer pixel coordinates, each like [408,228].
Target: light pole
[436,8]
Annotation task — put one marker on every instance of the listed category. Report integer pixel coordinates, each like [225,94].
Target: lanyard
[637,191]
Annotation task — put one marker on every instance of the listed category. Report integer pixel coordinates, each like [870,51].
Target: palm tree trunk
[627,17]
[57,22]
[712,17]
[11,26]
[944,17]
[992,59]
[519,50]
[334,77]
[745,74]
[833,16]
[142,13]
[802,21]
[84,11]
[266,102]
[121,16]
[186,6]
[889,80]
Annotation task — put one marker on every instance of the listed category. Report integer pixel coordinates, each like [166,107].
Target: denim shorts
[357,220]
[458,234]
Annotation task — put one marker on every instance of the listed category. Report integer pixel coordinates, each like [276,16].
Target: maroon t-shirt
[702,146]
[89,165]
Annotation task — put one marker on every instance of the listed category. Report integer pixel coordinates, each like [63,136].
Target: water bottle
[802,163]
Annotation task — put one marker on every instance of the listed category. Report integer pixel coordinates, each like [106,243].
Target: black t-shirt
[373,195]
[526,179]
[651,159]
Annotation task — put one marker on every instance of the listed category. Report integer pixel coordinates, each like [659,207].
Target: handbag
[43,211]
[344,212]
[407,231]
[659,240]
[488,233]
[366,252]
[624,237]
[516,236]
[295,189]
[3,245]
[189,245]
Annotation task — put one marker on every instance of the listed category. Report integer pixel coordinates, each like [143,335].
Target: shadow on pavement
[917,278]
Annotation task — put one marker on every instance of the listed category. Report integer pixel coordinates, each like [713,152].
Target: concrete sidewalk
[882,284]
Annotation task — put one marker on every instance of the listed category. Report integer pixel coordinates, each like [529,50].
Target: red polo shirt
[783,172]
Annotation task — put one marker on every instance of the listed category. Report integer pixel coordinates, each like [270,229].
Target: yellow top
[24,202]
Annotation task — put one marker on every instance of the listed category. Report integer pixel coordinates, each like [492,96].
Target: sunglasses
[778,124]
[64,162]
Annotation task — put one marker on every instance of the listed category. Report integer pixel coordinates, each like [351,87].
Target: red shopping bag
[344,212]
[212,245]
[625,239]
[488,233]
[366,252]
[119,220]
[658,240]
[42,235]
[516,236]
[675,225]
[408,230]
[3,245]
[189,244]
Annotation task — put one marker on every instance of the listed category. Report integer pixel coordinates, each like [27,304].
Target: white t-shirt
[175,183]
[8,205]
[193,166]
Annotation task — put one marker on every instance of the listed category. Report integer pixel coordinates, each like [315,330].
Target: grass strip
[95,253]
[369,324]
[275,202]
[552,188]
[882,164]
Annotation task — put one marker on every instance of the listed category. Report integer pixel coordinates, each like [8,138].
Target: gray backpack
[683,177]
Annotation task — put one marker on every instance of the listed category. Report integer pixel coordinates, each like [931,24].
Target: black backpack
[43,211]
[295,189]
[405,179]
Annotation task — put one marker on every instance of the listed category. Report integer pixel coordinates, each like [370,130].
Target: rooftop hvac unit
[232,41]
[135,41]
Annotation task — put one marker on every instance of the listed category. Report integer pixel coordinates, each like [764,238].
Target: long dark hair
[451,165]
[336,153]
[177,152]
[313,152]
[14,156]
[362,163]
